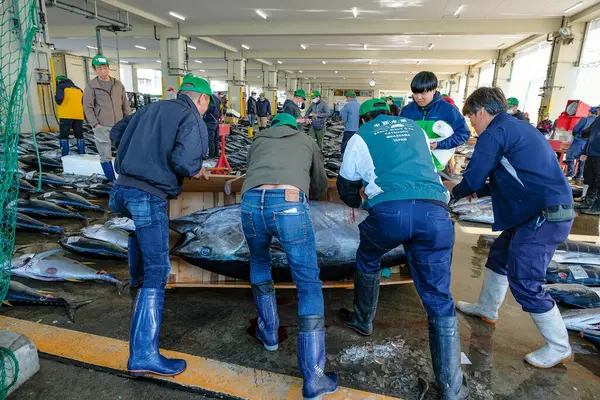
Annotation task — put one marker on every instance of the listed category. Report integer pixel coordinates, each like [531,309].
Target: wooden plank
[216,183]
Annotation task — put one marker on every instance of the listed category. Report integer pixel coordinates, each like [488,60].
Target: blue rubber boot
[366,296]
[444,343]
[311,358]
[81,146]
[144,355]
[268,320]
[64,147]
[109,172]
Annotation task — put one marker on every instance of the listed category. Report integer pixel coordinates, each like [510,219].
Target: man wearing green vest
[407,205]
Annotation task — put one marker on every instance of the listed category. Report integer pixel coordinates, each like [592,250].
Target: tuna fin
[7,303]
[121,285]
[94,201]
[45,254]
[89,263]
[72,307]
[72,280]
[45,292]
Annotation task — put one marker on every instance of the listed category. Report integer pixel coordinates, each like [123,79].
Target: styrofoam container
[86,164]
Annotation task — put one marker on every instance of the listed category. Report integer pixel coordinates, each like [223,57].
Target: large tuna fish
[41,208]
[99,232]
[28,224]
[72,200]
[92,247]
[213,240]
[582,274]
[582,320]
[574,295]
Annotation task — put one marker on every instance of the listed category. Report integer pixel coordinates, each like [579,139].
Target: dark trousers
[591,177]
[149,257]
[522,254]
[66,125]
[214,142]
[345,138]
[427,234]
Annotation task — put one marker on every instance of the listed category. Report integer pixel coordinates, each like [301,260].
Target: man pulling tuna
[156,147]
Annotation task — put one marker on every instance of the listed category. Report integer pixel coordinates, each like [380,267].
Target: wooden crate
[200,195]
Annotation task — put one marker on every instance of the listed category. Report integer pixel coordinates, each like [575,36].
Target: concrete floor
[214,323]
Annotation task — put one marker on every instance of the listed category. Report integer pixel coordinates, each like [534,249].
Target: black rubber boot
[366,296]
[444,343]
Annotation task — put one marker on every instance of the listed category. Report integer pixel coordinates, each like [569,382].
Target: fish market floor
[214,324]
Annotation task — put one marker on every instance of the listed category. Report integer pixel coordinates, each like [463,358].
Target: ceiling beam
[217,43]
[371,54]
[377,67]
[379,28]
[523,44]
[366,75]
[586,15]
[139,12]
[87,31]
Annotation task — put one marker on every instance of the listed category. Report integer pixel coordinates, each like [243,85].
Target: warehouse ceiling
[331,42]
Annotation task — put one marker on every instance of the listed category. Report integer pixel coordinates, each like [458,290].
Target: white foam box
[86,164]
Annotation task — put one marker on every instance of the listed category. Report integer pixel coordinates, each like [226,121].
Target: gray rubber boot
[491,298]
[557,348]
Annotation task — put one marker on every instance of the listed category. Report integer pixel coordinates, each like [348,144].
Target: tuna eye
[205,252]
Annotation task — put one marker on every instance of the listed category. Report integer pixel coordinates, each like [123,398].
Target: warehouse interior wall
[588,77]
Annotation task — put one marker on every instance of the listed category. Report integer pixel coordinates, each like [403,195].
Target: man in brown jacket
[105,103]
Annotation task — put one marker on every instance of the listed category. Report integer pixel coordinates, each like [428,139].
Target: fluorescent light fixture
[314,77]
[344,78]
[191,47]
[324,62]
[258,77]
[202,70]
[260,60]
[336,72]
[470,62]
[279,62]
[139,47]
[123,61]
[92,47]
[418,62]
[245,46]
[303,46]
[430,46]
[355,12]
[158,61]
[300,71]
[370,62]
[178,16]
[261,13]
[458,10]
[501,45]
[372,72]
[573,7]
[198,61]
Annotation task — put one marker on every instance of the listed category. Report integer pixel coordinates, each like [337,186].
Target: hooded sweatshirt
[282,155]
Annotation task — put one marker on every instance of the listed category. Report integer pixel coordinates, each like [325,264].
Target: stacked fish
[108,240]
[474,210]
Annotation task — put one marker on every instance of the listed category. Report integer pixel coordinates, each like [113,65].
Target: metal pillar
[472,81]
[236,80]
[503,66]
[270,79]
[173,58]
[134,78]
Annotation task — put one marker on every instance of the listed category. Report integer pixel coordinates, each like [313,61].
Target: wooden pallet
[201,195]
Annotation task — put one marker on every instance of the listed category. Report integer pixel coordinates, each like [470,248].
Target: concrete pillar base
[26,353]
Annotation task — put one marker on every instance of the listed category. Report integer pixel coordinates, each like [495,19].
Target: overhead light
[158,61]
[365,46]
[355,12]
[172,14]
[303,46]
[370,62]
[92,47]
[279,62]
[202,70]
[372,72]
[418,62]
[198,61]
[139,47]
[245,46]
[300,71]
[501,45]
[458,10]
[573,7]
[336,72]
[261,13]
[258,77]
[344,78]
[405,79]
[191,47]
[324,62]
[430,46]
[470,62]
[123,61]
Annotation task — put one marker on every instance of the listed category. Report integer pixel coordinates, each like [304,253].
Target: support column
[562,71]
[307,87]
[291,86]
[134,78]
[270,76]
[236,79]
[503,72]
[455,87]
[472,80]
[173,64]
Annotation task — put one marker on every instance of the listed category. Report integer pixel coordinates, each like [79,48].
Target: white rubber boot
[491,297]
[585,189]
[557,348]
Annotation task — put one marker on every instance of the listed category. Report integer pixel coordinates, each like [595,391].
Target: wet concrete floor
[213,323]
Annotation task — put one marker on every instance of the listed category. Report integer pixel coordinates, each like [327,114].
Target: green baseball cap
[512,101]
[99,60]
[61,78]
[351,93]
[262,94]
[374,104]
[390,98]
[284,119]
[300,93]
[315,93]
[198,85]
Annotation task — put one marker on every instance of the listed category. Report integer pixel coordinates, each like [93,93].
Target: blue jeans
[523,253]
[573,154]
[427,233]
[266,214]
[251,120]
[149,246]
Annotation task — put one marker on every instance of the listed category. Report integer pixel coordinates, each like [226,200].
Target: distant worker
[428,105]
[350,116]
[545,126]
[263,110]
[533,207]
[513,109]
[252,109]
[224,104]
[407,205]
[69,99]
[283,163]
[212,119]
[448,99]
[319,111]
[576,149]
[292,106]
[591,156]
[105,103]
[394,109]
[157,147]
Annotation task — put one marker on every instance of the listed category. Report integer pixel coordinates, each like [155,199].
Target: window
[588,84]
[150,81]
[486,75]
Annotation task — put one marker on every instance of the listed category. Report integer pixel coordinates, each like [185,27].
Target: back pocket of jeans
[248,224]
[291,227]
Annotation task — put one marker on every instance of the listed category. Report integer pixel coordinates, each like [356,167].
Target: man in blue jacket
[428,105]
[591,157]
[407,205]
[533,206]
[576,149]
[263,110]
[157,147]
[212,118]
[350,117]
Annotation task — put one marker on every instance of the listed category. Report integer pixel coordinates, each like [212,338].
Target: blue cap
[594,110]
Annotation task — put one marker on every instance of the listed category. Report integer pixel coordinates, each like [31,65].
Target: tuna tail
[71,307]
[121,285]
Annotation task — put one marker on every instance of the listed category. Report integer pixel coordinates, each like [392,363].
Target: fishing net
[18,28]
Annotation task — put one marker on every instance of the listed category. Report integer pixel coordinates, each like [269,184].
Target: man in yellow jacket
[69,99]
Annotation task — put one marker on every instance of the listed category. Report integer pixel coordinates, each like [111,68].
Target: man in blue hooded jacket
[428,105]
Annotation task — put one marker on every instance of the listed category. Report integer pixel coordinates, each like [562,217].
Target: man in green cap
[157,147]
[407,205]
[283,164]
[292,106]
[105,103]
[513,108]
[350,116]
[319,111]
